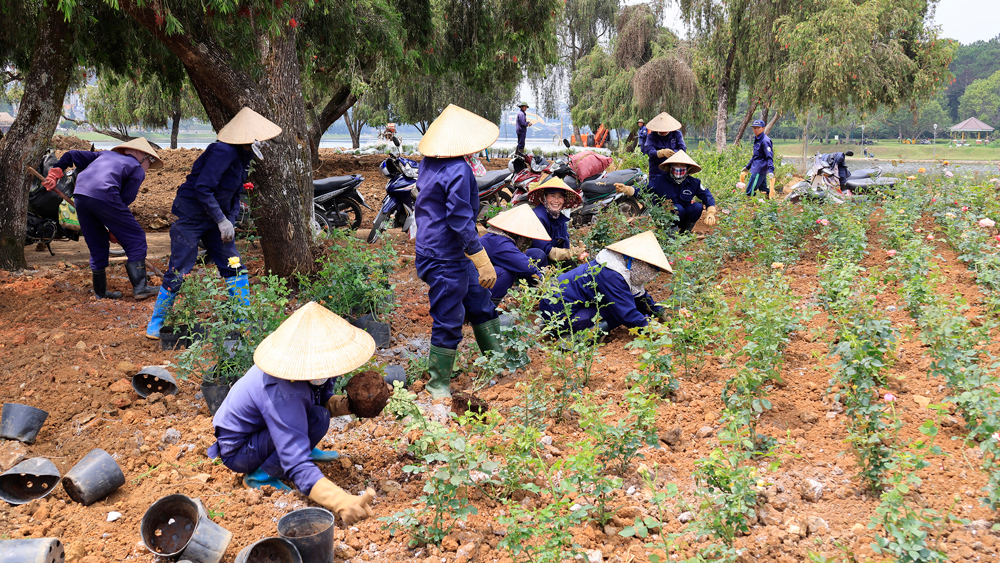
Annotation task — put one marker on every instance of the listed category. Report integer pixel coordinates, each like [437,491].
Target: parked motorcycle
[525,170]
[43,207]
[823,183]
[599,193]
[397,205]
[337,202]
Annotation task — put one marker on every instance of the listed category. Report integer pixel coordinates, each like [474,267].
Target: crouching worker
[683,188]
[506,242]
[275,415]
[550,199]
[613,284]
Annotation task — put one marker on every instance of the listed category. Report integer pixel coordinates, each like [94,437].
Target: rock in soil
[367,394]
[463,402]
[811,490]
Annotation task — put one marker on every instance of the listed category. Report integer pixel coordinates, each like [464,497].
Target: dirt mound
[70,143]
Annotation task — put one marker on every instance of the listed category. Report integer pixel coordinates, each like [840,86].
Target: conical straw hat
[457,132]
[247,127]
[681,157]
[142,145]
[663,123]
[643,246]
[313,343]
[536,195]
[520,221]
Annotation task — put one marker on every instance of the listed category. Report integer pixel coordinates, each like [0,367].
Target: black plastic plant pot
[169,524]
[154,379]
[214,394]
[31,479]
[270,550]
[380,331]
[42,550]
[311,532]
[208,544]
[94,477]
[170,337]
[21,422]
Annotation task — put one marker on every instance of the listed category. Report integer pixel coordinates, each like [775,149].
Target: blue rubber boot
[258,479]
[239,287]
[164,301]
[321,455]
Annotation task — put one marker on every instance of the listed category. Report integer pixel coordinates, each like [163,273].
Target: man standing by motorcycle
[449,256]
[641,134]
[521,128]
[664,139]
[761,165]
[840,159]
[206,207]
[107,183]
[549,199]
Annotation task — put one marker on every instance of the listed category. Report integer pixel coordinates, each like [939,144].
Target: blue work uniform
[107,183]
[840,159]
[521,129]
[511,264]
[557,229]
[642,133]
[210,194]
[445,214]
[688,210]
[272,424]
[617,305]
[658,179]
[761,164]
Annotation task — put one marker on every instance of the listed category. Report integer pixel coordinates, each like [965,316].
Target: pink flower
[987,223]
[919,230]
[689,258]
[823,222]
[930,237]
[933,200]
[889,397]
[891,253]
[996,436]
[964,208]
[948,173]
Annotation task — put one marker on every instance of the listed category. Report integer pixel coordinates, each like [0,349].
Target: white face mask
[256,148]
[318,382]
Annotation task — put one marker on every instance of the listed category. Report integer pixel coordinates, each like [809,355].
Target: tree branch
[121,134]
[11,76]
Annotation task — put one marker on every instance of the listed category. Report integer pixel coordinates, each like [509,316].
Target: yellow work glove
[577,250]
[350,508]
[665,153]
[560,254]
[743,176]
[770,182]
[337,405]
[487,273]
[623,189]
[710,216]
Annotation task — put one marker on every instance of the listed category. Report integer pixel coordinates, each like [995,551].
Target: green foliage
[972,62]
[620,442]
[657,375]
[119,103]
[353,279]
[982,100]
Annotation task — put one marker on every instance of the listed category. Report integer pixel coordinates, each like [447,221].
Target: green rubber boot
[440,362]
[488,338]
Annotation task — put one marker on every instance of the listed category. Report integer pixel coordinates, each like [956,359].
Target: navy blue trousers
[184,236]
[687,215]
[97,217]
[506,279]
[520,140]
[757,182]
[455,296]
[246,454]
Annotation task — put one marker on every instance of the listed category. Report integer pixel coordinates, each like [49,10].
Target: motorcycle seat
[606,185]
[491,178]
[334,183]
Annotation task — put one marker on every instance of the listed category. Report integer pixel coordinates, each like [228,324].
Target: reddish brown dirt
[71,355]
[367,394]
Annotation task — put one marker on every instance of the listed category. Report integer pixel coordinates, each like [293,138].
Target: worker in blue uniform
[521,126]
[271,421]
[550,198]
[107,183]
[641,134]
[664,139]
[507,242]
[450,259]
[681,192]
[761,165]
[612,286]
[206,206]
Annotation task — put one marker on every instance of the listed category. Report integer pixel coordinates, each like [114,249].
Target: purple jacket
[522,123]
[259,401]
[106,175]
[446,209]
[212,189]
[654,141]
[504,254]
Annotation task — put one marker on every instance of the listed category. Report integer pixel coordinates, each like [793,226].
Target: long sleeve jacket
[212,189]
[762,159]
[617,304]
[521,126]
[557,229]
[106,175]
[673,140]
[691,188]
[446,209]
[504,254]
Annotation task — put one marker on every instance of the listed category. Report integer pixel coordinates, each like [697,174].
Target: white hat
[681,157]
[663,123]
[522,221]
[645,247]
[142,145]
[248,127]
[457,132]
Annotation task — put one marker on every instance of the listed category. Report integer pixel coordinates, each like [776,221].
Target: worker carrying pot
[613,284]
[206,206]
[107,182]
[275,415]
[550,199]
[664,139]
[508,243]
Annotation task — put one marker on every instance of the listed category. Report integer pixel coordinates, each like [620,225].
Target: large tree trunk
[722,110]
[770,124]
[338,105]
[353,129]
[752,107]
[175,109]
[576,135]
[805,144]
[36,121]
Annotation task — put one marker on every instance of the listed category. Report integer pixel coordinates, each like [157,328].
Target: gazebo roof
[6,118]
[971,125]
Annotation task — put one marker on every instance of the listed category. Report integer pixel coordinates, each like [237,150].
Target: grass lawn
[887,150]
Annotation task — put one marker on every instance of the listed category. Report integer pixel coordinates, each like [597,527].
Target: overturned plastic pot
[94,477]
[154,379]
[270,550]
[176,525]
[311,532]
[41,550]
[29,480]
[21,422]
[379,331]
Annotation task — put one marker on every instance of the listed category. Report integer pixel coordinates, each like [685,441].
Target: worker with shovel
[275,415]
[107,182]
[206,207]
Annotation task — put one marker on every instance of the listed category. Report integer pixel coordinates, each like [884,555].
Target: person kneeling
[506,242]
[613,283]
[275,415]
[550,199]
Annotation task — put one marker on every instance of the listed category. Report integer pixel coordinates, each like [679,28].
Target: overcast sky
[969,20]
